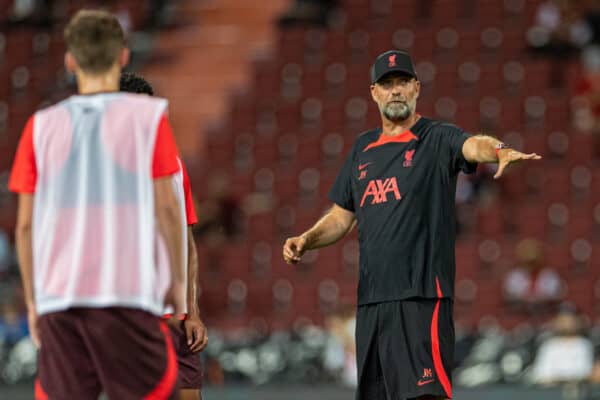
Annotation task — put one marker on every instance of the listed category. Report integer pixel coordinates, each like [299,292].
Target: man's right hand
[293,249]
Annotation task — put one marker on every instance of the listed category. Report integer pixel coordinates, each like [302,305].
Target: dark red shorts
[125,353]
[190,368]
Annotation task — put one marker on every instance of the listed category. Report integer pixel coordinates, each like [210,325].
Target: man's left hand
[509,156]
[195,331]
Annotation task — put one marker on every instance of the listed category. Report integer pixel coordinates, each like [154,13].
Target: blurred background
[266,98]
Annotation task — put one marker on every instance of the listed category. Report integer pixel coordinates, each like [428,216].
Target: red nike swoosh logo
[363,166]
[421,383]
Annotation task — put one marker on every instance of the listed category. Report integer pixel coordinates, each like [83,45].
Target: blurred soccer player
[99,229]
[189,336]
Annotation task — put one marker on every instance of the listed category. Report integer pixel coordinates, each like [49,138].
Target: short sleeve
[23,176]
[165,159]
[190,210]
[455,138]
[341,192]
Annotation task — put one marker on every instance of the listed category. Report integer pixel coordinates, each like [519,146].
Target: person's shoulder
[442,126]
[47,110]
[584,342]
[366,137]
[368,134]
[143,104]
[142,99]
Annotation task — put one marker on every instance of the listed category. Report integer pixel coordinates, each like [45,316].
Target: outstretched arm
[333,226]
[487,149]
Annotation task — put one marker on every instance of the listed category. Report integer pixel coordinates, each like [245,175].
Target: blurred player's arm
[24,243]
[195,330]
[165,164]
[169,220]
[192,271]
[23,235]
[333,226]
[487,149]
[197,337]
[23,180]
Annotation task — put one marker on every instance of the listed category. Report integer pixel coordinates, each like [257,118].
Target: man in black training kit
[399,184]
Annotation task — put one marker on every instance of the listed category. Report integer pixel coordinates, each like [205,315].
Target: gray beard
[397,112]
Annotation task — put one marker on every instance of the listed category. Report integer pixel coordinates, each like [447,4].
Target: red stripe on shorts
[164,389]
[435,346]
[39,392]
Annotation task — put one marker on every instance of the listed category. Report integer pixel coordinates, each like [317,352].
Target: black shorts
[404,349]
[190,368]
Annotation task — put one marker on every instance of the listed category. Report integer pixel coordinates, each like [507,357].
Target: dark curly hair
[133,83]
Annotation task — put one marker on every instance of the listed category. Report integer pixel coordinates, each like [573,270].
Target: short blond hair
[95,39]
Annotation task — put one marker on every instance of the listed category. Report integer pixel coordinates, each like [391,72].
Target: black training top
[402,191]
